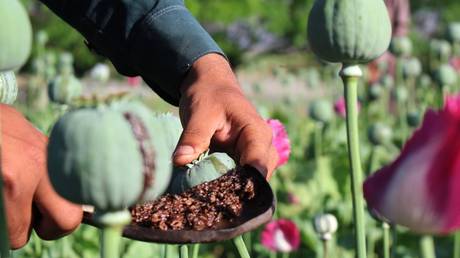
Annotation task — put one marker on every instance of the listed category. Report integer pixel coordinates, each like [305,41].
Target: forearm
[156,39]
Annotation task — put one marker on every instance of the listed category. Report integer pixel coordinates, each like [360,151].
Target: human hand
[214,112]
[30,200]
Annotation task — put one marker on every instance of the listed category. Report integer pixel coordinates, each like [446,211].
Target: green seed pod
[401,93]
[15,35]
[440,49]
[425,81]
[453,32]
[445,75]
[412,68]
[64,88]
[110,156]
[413,118]
[65,64]
[41,37]
[401,46]
[8,87]
[325,226]
[379,134]
[206,168]
[352,31]
[321,111]
[387,81]
[375,91]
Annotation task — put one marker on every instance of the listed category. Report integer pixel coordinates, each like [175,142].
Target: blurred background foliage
[242,27]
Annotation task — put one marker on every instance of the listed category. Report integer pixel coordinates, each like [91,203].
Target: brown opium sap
[212,205]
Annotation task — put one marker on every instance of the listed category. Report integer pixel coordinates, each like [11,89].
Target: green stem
[195,250]
[112,224]
[373,160]
[394,236]
[386,240]
[110,241]
[457,245]
[427,247]
[317,141]
[325,248]
[350,76]
[183,251]
[285,255]
[4,241]
[248,240]
[272,254]
[241,247]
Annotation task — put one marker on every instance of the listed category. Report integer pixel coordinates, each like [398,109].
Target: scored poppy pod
[421,188]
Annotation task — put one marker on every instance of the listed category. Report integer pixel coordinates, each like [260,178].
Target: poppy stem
[427,247]
[350,75]
[112,228]
[241,247]
[195,250]
[457,245]
[110,242]
[183,251]
[386,240]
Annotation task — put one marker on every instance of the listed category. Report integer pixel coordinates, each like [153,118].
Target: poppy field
[366,125]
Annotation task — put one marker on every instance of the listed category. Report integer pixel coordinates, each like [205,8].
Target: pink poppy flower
[281,236]
[421,188]
[134,81]
[280,141]
[340,107]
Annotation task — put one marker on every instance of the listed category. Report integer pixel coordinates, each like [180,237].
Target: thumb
[195,139]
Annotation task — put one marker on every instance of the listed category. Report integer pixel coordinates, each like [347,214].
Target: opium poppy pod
[15,35]
[421,188]
[110,156]
[349,31]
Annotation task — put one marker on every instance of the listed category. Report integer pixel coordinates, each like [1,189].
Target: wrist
[209,71]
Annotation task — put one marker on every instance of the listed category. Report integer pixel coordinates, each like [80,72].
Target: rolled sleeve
[156,39]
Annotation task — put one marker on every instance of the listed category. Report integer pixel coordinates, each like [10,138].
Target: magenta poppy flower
[340,107]
[421,188]
[280,141]
[281,236]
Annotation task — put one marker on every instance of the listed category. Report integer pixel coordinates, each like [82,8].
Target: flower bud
[425,81]
[379,134]
[375,91]
[445,75]
[387,81]
[325,226]
[413,118]
[321,111]
[401,46]
[453,32]
[401,93]
[441,49]
[412,68]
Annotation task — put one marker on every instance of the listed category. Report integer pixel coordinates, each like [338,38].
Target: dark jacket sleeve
[156,39]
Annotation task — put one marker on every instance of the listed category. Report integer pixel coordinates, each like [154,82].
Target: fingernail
[184,150]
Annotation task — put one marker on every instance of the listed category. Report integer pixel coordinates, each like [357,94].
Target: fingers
[18,189]
[196,137]
[57,217]
[254,147]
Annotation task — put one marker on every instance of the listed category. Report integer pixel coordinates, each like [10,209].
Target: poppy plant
[281,236]
[420,189]
[280,141]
